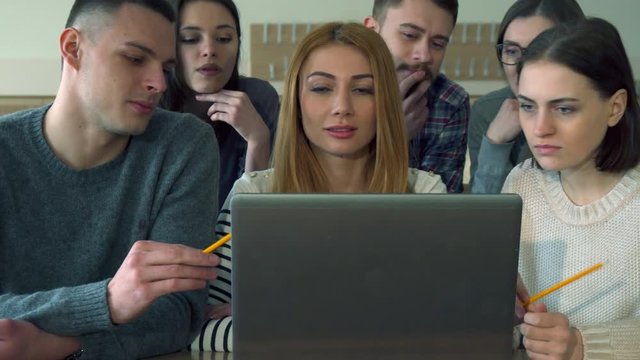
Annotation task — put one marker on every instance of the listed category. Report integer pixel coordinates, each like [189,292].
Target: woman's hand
[522,296]
[549,335]
[506,126]
[235,108]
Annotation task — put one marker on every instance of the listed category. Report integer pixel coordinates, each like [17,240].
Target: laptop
[374,276]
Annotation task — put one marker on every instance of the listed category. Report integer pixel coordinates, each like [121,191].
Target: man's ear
[371,23]
[70,47]
[618,105]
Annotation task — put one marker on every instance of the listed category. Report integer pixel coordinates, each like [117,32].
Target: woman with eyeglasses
[496,142]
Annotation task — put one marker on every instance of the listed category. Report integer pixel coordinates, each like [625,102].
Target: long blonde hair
[296,169]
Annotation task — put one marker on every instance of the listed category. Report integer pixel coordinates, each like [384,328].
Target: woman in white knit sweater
[581,194]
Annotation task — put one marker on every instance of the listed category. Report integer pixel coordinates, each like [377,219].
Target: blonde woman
[341,130]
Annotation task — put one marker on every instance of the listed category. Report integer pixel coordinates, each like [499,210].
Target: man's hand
[23,340]
[549,336]
[506,126]
[413,91]
[153,269]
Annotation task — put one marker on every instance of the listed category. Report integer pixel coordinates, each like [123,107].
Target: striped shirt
[441,146]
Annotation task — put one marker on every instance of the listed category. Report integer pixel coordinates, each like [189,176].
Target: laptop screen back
[364,276]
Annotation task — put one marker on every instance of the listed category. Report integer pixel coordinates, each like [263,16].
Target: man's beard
[428,75]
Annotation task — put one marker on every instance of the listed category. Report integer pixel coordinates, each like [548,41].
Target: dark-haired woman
[581,193]
[242,110]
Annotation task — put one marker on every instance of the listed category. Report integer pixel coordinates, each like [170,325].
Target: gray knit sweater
[64,233]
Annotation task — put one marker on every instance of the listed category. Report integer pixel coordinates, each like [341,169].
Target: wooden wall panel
[9,104]
[470,55]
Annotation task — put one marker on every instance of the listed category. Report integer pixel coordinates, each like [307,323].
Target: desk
[519,355]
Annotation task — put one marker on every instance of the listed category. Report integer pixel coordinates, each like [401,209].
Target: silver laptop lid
[364,276]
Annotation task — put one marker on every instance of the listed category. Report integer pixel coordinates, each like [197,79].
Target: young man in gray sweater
[106,201]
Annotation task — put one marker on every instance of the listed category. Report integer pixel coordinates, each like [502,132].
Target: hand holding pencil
[550,333]
[153,269]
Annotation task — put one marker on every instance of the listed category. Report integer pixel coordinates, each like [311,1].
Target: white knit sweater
[560,239]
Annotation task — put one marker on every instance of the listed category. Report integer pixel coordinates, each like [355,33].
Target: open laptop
[374,276]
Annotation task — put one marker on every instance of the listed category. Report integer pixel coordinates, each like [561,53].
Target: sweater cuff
[597,343]
[88,311]
[490,149]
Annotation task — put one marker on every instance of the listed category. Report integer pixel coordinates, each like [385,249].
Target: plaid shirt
[441,146]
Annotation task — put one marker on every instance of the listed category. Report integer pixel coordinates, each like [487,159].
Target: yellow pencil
[561,284]
[217,244]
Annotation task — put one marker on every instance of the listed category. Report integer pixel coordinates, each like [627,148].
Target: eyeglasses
[510,54]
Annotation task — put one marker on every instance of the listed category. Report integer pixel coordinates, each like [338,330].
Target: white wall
[30,64]
[29,60]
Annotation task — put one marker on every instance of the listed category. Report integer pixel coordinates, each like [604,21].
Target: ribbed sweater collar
[597,211]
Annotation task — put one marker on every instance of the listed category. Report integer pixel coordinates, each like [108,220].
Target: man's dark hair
[593,48]
[380,8]
[557,11]
[109,7]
